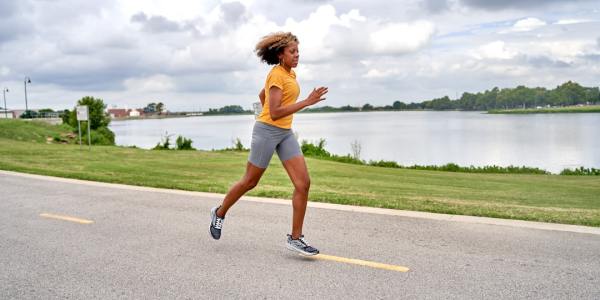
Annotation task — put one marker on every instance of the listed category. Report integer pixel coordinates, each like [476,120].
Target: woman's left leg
[298,173]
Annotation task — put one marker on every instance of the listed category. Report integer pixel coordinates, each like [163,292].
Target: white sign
[82,113]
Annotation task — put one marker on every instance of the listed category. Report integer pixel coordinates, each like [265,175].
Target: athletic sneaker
[301,246]
[216,223]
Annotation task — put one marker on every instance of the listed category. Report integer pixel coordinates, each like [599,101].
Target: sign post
[82,115]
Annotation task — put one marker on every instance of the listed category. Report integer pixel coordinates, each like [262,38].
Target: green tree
[66,116]
[96,113]
[150,108]
[29,114]
[592,95]
[349,108]
[45,110]
[398,105]
[231,109]
[367,107]
[443,103]
[98,118]
[160,108]
[568,93]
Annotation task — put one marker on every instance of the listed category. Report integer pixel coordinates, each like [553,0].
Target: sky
[196,55]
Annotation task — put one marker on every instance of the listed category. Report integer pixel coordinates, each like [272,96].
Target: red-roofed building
[124,112]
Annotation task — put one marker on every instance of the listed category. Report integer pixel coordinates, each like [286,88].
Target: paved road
[152,244]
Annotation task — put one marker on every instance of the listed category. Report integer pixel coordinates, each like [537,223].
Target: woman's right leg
[248,182]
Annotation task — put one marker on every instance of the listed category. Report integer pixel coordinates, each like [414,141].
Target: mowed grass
[568,109]
[31,131]
[548,198]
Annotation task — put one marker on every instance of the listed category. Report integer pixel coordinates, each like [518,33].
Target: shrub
[184,144]
[102,136]
[317,150]
[165,145]
[29,114]
[581,171]
[238,146]
[384,163]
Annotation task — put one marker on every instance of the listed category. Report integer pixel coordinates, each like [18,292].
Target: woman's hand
[316,95]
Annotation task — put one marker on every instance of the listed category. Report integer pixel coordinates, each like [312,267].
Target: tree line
[227,110]
[566,94]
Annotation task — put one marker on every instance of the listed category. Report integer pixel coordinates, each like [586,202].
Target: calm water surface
[548,141]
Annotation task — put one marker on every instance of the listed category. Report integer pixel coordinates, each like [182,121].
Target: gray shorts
[267,139]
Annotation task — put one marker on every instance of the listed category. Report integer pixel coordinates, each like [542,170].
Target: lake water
[548,141]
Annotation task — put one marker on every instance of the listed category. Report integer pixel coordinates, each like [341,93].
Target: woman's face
[290,55]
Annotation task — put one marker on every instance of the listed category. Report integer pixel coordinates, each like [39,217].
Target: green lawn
[549,198]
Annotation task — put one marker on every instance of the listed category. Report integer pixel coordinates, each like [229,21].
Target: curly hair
[271,45]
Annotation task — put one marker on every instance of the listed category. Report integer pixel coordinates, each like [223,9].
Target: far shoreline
[567,109]
[550,110]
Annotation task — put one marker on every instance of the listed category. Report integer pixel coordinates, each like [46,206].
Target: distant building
[134,113]
[118,113]
[51,115]
[125,112]
[18,112]
[6,114]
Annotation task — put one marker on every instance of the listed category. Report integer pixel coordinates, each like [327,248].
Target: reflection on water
[548,141]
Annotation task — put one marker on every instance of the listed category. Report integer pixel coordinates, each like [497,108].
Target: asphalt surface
[152,244]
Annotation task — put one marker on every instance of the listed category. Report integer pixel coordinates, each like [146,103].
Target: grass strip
[549,110]
[547,198]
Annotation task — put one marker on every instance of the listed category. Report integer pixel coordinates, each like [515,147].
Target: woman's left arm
[278,111]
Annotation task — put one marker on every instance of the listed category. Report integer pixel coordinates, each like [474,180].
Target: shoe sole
[214,238]
[303,253]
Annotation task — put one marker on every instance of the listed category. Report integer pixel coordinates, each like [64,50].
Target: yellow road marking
[362,262]
[66,218]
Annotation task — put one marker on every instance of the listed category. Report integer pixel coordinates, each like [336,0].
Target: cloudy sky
[199,54]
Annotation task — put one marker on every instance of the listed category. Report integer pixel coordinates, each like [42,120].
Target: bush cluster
[581,171]
[318,150]
[181,143]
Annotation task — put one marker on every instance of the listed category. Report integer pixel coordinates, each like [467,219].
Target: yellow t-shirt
[280,78]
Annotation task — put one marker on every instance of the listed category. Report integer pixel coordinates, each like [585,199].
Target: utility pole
[25,82]
[4,91]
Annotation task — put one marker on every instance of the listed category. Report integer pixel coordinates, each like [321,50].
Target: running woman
[272,132]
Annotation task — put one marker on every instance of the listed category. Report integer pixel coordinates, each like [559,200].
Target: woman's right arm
[278,111]
[261,96]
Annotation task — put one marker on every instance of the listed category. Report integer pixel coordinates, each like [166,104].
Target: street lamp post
[25,82]
[4,90]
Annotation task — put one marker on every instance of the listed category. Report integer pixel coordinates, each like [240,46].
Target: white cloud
[401,38]
[572,21]
[377,73]
[527,24]
[352,15]
[508,70]
[314,30]
[200,53]
[178,11]
[566,50]
[495,50]
[154,83]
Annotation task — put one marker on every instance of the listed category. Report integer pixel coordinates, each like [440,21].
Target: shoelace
[218,223]
[304,241]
